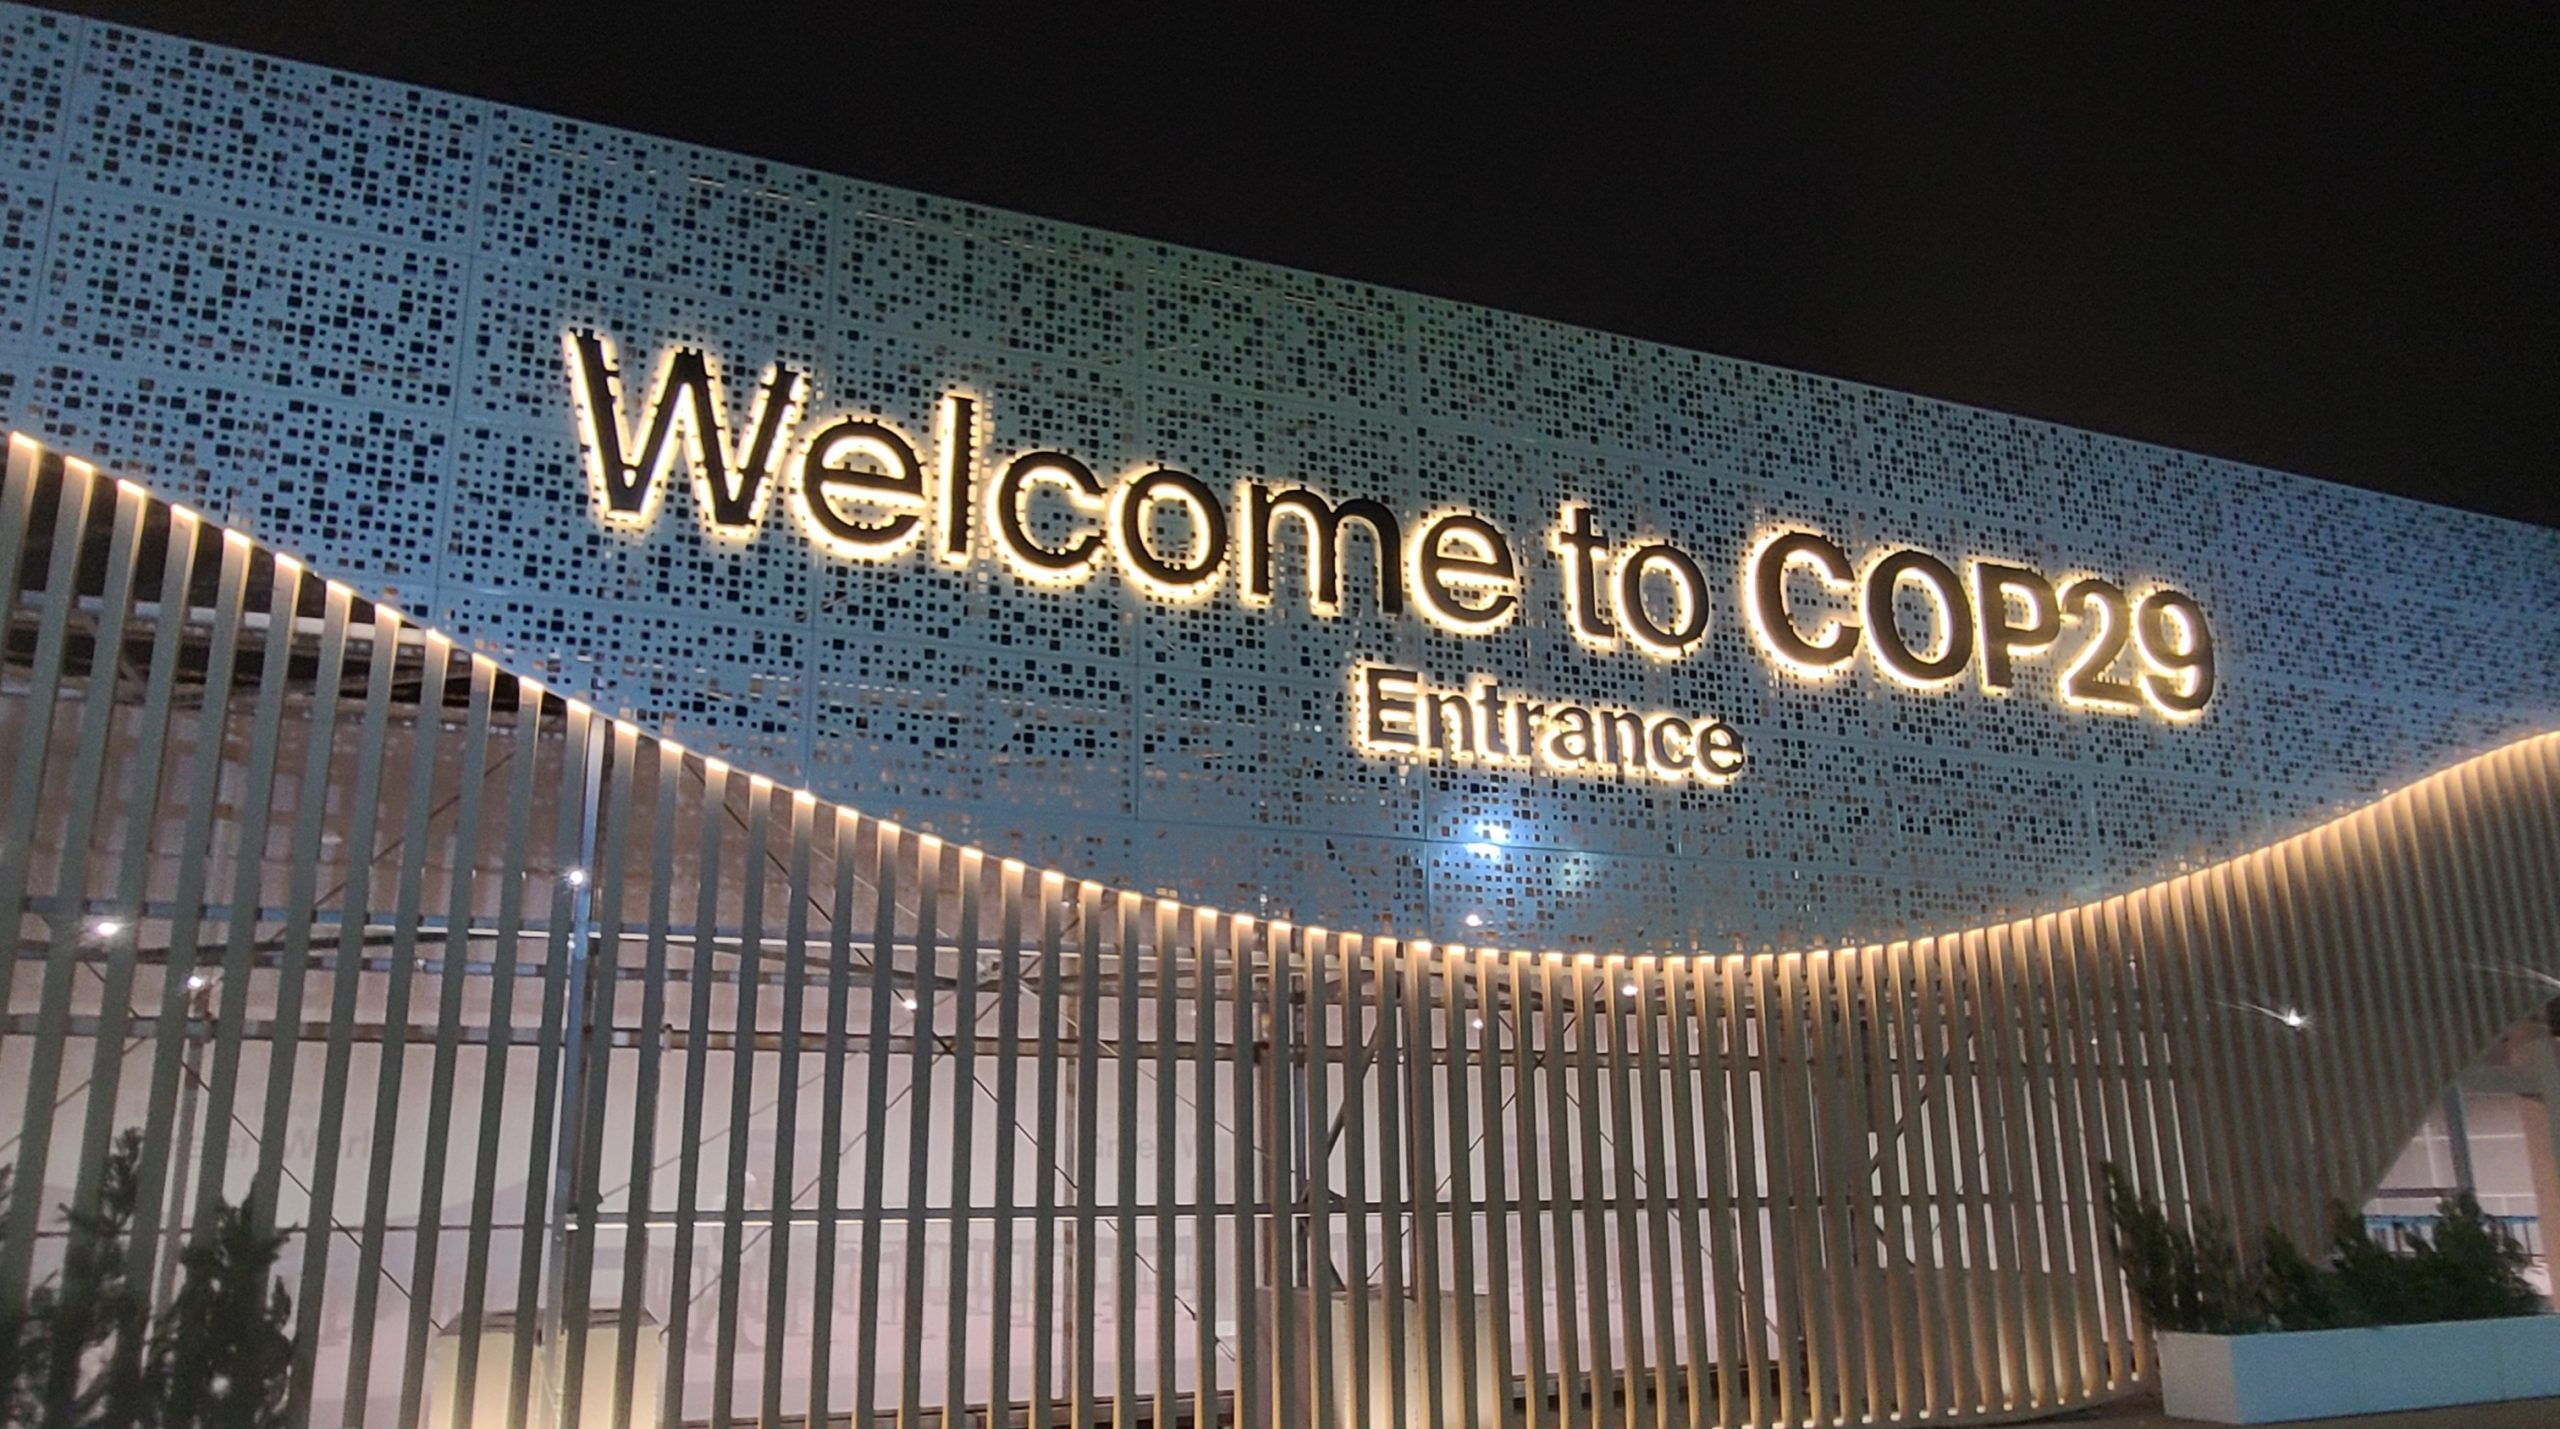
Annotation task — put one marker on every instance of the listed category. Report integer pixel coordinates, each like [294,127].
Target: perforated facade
[761,973]
[329,310]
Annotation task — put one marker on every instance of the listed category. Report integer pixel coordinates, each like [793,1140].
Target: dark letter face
[1131,508]
[2099,607]
[1719,755]
[959,462]
[1764,588]
[1953,618]
[1463,575]
[827,475]
[1688,587]
[1577,541]
[1669,739]
[1008,509]
[1995,588]
[2177,646]
[1323,522]
[1390,714]
[730,483]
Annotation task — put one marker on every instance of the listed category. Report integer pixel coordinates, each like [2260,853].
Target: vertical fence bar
[1650,990]
[17,513]
[1775,1009]
[346,979]
[1422,1134]
[78,797]
[1520,972]
[1084,1293]
[1166,1138]
[699,968]
[1618,990]
[399,987]
[523,769]
[453,963]
[1576,1388]
[888,848]
[1921,1094]
[754,848]
[1252,1398]
[1317,1173]
[1008,1137]
[1486,967]
[1732,1249]
[1832,1322]
[2100,1135]
[964,1140]
[785,1195]
[2007,1224]
[1124,1168]
[847,856]
[1684,1143]
[1044,1212]
[1360,1044]
[581,1183]
[1874,1238]
[1448,968]
[1277,1115]
[248,867]
[1972,1332]
[150,768]
[1395,1166]
[933,865]
[1885,1046]
[302,894]
[555,1070]
[27,773]
[2053,1059]
[1204,924]
[640,1195]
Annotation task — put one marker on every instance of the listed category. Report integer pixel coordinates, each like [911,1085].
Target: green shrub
[84,1353]
[2191,1277]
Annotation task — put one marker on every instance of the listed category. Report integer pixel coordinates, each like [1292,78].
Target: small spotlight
[2294,1017]
[1475,920]
[108,927]
[575,878]
[911,1004]
[1629,989]
[1476,1022]
[198,982]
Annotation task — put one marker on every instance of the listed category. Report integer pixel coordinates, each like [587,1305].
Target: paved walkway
[2522,1414]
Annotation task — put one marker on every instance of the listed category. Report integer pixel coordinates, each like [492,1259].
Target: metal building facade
[671,975]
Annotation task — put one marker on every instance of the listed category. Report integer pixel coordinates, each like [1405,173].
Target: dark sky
[2319,238]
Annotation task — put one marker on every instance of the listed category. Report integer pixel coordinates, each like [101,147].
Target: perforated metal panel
[328,309]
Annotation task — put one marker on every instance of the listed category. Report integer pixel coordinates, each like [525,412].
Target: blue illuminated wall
[328,309]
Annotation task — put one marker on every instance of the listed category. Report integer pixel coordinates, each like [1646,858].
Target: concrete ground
[2521,1414]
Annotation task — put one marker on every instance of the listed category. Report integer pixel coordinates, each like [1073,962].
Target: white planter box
[2313,1374]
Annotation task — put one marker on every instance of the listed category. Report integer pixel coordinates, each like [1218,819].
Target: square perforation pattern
[329,309]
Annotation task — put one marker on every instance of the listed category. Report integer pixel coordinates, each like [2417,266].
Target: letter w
[730,482]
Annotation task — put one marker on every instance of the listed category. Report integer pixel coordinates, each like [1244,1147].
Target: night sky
[2319,238]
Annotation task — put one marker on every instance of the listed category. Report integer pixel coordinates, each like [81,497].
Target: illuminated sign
[862,491]
[1397,713]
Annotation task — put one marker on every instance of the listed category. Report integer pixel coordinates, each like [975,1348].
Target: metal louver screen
[604,1083]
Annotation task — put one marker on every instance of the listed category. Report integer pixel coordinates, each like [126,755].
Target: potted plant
[2365,1329]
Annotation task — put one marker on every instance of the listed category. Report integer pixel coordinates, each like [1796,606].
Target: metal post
[2457,1139]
